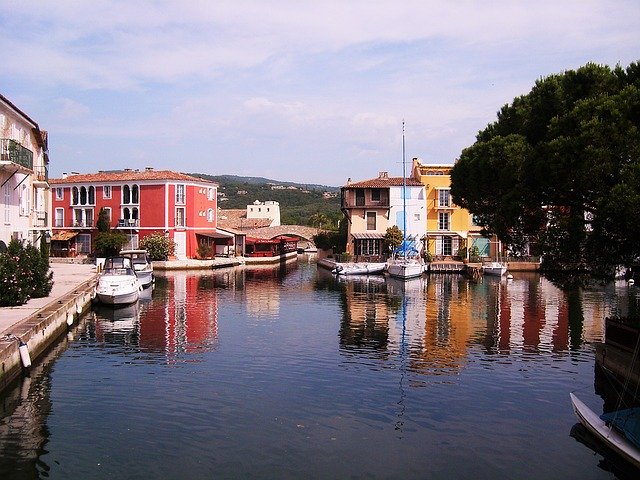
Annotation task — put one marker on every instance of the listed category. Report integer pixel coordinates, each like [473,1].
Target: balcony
[40,219]
[128,223]
[12,151]
[82,224]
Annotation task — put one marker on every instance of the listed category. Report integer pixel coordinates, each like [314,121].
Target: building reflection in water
[444,316]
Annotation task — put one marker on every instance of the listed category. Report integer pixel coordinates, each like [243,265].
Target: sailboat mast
[404,198]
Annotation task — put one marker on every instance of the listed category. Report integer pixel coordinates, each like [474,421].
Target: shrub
[24,274]
[205,251]
[158,246]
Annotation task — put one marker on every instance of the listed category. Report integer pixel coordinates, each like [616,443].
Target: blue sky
[297,90]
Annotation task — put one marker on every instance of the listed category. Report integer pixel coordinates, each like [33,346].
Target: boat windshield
[119,271]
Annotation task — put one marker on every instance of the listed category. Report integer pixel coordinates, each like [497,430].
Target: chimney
[75,173]
[64,175]
[148,169]
[383,175]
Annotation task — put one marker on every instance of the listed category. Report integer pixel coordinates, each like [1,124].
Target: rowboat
[359,268]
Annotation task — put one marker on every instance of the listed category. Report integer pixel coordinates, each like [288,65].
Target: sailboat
[619,429]
[405,261]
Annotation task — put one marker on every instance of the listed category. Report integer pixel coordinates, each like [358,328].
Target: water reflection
[445,316]
[251,369]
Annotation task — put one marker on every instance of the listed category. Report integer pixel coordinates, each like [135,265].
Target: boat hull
[145,277]
[359,268]
[494,268]
[609,436]
[405,269]
[118,298]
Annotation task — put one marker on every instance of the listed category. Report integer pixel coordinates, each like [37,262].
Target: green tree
[548,170]
[103,224]
[107,244]
[393,237]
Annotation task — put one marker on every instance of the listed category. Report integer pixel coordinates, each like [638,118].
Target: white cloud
[268,83]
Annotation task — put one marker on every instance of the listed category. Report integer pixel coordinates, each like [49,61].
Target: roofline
[18,111]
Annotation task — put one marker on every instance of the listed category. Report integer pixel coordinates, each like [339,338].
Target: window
[447,246]
[59,219]
[83,243]
[83,217]
[210,194]
[106,191]
[7,203]
[180,222]
[375,194]
[443,221]
[107,211]
[368,247]
[83,195]
[180,194]
[416,217]
[130,195]
[359,197]
[130,216]
[371,220]
[59,193]
[444,198]
[23,199]
[210,215]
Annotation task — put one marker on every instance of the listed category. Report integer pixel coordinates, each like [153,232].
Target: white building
[269,209]
[25,196]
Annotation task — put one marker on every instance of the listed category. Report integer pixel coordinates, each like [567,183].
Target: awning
[63,236]
[367,236]
[215,234]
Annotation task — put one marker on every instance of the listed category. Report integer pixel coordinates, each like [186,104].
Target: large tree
[560,168]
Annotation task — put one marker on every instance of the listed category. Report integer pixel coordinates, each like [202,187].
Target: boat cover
[626,421]
[408,246]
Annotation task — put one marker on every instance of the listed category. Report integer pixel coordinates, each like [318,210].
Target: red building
[139,203]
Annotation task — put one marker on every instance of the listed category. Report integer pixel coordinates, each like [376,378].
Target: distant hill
[298,201]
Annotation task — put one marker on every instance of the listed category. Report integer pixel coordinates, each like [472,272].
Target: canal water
[287,372]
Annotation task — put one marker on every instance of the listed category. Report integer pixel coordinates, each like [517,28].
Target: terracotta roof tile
[383,183]
[237,218]
[127,176]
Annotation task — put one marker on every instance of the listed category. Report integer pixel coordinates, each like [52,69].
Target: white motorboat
[494,268]
[118,284]
[359,268]
[141,264]
[606,433]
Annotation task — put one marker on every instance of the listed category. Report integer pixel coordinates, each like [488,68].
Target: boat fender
[24,354]
[69,318]
[78,307]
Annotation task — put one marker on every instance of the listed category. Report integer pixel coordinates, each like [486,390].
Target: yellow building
[449,228]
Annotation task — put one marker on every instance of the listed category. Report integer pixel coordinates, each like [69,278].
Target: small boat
[494,268]
[606,432]
[118,284]
[405,268]
[141,264]
[359,268]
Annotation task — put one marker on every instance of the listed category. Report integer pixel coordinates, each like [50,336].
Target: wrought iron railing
[128,223]
[14,152]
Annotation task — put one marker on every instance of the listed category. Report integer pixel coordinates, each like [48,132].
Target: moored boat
[141,264]
[494,268]
[118,284]
[606,432]
[359,268]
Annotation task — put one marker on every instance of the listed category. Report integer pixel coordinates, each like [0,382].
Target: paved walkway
[66,278]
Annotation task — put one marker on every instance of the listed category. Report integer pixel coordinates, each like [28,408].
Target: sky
[302,91]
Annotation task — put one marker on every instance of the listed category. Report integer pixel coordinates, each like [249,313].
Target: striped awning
[367,236]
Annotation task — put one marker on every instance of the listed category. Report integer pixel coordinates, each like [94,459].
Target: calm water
[290,373]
